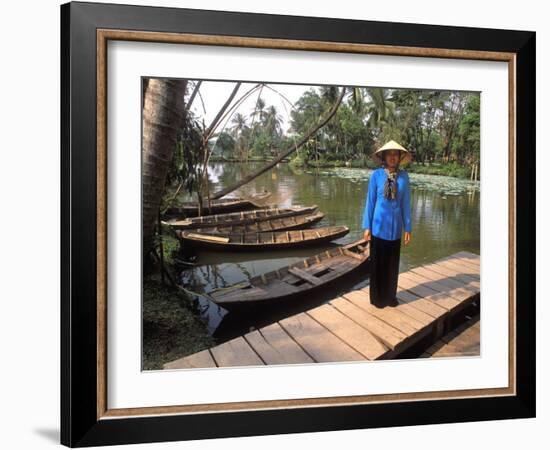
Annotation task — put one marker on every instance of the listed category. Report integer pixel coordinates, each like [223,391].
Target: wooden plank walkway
[349,328]
[463,341]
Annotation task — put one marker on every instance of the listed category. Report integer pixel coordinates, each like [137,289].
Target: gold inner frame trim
[104,35]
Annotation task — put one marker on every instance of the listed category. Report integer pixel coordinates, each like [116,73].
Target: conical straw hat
[392,145]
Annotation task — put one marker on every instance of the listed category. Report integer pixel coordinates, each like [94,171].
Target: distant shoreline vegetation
[441,129]
[452,169]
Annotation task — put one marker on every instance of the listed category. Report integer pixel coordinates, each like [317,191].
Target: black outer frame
[79,424]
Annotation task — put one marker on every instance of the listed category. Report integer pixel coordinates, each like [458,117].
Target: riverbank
[452,169]
[172,326]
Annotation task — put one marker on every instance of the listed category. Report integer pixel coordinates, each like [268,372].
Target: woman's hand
[366,235]
[407,238]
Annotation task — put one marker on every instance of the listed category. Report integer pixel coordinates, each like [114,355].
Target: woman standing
[387,214]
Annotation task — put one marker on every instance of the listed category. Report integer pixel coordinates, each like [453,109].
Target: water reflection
[445,216]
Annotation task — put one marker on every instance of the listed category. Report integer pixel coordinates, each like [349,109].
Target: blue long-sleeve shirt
[385,218]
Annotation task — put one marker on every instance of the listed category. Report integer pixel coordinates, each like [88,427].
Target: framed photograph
[277,224]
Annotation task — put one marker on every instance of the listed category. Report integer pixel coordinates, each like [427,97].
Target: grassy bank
[449,169]
[172,327]
[452,169]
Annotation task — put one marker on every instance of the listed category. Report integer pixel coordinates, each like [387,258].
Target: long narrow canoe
[283,223]
[297,280]
[267,240]
[239,218]
[221,206]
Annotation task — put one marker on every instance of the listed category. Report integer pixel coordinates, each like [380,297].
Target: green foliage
[171,328]
[297,161]
[442,129]
[187,155]
[225,145]
[452,169]
[467,144]
[438,127]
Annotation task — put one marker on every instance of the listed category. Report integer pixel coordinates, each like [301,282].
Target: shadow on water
[225,325]
[445,217]
[238,267]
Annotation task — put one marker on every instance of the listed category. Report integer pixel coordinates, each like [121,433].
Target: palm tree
[259,110]
[239,126]
[239,122]
[283,154]
[358,103]
[273,121]
[381,108]
[163,115]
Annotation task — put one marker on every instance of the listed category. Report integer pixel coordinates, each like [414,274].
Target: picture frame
[86,28]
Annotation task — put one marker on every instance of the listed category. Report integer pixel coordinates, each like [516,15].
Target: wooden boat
[221,206]
[267,240]
[239,218]
[303,278]
[283,223]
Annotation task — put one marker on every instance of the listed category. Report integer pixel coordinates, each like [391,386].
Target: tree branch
[214,124]
[285,153]
[193,95]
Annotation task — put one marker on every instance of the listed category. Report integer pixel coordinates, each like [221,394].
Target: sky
[215,93]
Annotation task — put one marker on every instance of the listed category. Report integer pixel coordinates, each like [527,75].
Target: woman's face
[392,158]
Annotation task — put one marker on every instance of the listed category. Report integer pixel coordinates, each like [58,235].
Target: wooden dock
[463,341]
[349,328]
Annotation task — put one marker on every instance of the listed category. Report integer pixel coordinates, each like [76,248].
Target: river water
[445,220]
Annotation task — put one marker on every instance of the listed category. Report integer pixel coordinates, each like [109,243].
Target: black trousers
[384,270]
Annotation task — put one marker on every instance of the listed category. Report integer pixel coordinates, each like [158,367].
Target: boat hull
[242,218]
[277,238]
[191,209]
[297,281]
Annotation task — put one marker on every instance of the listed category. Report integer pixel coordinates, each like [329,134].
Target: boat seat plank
[352,254]
[350,332]
[305,276]
[236,352]
[209,237]
[308,334]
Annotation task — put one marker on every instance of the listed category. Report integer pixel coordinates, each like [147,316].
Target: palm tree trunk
[284,153]
[163,113]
